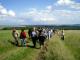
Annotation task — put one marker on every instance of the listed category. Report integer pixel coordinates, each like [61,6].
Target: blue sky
[23,12]
[21,5]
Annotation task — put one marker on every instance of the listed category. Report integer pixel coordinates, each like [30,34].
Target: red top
[23,35]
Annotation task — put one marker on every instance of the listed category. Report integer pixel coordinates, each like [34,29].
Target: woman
[23,37]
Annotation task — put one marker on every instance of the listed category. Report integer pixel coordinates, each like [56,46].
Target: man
[15,35]
[34,37]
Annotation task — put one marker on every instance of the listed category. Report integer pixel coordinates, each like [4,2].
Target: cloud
[11,13]
[7,16]
[67,16]
[65,2]
[55,16]
[51,15]
[44,16]
[49,8]
[76,6]
[69,3]
[48,15]
[5,12]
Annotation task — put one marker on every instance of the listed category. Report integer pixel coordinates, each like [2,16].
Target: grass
[11,52]
[69,49]
[72,40]
[57,50]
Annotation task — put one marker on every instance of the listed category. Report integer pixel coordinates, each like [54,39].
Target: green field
[9,51]
[69,49]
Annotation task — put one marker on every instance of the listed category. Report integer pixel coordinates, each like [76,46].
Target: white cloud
[7,16]
[67,16]
[49,8]
[65,2]
[53,17]
[5,12]
[76,6]
[11,13]
[69,3]
[2,10]
[36,15]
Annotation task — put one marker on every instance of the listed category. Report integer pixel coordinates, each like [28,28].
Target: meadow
[57,49]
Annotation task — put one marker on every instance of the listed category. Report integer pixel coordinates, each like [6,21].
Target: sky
[39,12]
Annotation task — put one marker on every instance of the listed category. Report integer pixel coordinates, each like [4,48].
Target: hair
[22,30]
[14,29]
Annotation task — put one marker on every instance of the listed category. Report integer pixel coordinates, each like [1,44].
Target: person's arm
[17,33]
[25,34]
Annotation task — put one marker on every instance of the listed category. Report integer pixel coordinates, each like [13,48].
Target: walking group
[36,35]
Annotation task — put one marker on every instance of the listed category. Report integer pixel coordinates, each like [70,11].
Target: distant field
[69,49]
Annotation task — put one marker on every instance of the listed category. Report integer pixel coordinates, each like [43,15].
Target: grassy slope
[57,49]
[72,40]
[69,49]
[11,52]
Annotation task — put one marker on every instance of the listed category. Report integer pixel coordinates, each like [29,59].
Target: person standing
[23,37]
[15,35]
[62,34]
[34,37]
[29,32]
[49,34]
[41,38]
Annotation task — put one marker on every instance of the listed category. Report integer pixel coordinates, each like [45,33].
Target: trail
[57,50]
[11,52]
[20,53]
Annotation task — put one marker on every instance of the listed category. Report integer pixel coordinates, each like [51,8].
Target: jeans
[23,42]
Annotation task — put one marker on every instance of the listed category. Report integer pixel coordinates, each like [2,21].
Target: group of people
[40,35]
[21,36]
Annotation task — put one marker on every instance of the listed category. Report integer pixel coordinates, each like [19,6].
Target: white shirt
[15,34]
[33,33]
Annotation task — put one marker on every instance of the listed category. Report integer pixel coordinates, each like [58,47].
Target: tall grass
[57,50]
[72,41]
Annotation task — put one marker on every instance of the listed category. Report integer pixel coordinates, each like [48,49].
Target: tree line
[65,27]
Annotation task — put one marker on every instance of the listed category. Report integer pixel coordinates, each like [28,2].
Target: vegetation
[57,49]
[8,51]
[69,49]
[65,27]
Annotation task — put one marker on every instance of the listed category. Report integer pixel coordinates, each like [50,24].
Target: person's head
[14,30]
[22,30]
[34,29]
[62,31]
